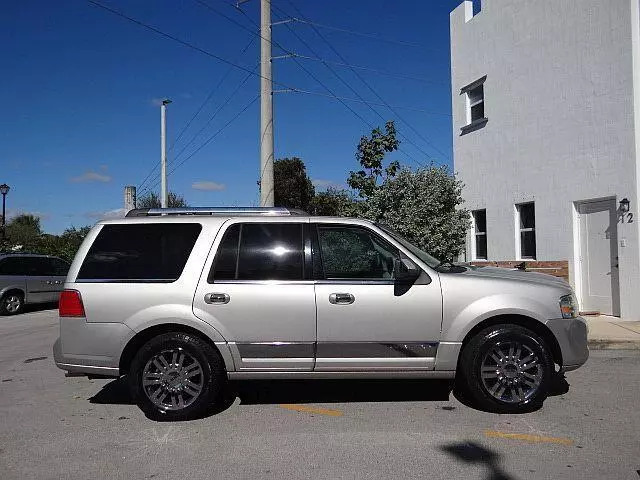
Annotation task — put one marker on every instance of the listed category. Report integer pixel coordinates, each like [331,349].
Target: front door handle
[216,298]
[341,298]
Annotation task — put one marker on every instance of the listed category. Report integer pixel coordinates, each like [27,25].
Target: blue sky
[80,116]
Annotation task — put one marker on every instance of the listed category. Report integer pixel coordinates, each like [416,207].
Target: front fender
[457,324]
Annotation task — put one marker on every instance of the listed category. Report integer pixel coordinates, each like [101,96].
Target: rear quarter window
[139,252]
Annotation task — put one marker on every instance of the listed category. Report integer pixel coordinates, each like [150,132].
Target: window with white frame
[474,101]
[526,220]
[479,234]
[475,104]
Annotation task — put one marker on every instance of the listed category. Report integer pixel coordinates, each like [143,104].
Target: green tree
[423,206]
[333,203]
[292,185]
[152,200]
[23,230]
[370,154]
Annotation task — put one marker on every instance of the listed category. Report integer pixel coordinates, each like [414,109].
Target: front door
[599,257]
[257,291]
[365,322]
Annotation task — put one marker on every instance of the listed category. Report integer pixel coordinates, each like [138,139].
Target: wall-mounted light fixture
[624,205]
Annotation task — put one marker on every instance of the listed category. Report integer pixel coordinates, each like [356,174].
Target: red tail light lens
[70,304]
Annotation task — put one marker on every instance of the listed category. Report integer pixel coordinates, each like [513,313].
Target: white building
[546,120]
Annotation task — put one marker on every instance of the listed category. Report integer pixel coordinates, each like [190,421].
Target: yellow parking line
[305,409]
[528,438]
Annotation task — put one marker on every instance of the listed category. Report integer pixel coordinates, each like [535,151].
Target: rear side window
[260,251]
[144,252]
[13,266]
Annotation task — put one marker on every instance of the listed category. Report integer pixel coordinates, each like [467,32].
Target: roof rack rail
[226,211]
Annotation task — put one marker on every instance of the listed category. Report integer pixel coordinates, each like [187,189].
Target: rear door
[365,320]
[39,280]
[258,287]
[58,270]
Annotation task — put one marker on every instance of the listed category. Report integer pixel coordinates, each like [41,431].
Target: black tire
[12,303]
[173,380]
[503,387]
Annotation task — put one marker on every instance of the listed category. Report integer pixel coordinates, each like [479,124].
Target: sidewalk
[609,333]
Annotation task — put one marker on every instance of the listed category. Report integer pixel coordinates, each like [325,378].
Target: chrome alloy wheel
[12,303]
[511,372]
[172,379]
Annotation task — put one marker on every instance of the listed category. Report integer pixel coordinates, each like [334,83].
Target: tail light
[70,304]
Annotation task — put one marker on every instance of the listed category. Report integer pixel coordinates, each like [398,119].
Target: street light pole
[164,195]
[4,189]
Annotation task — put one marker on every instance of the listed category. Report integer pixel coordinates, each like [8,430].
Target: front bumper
[571,334]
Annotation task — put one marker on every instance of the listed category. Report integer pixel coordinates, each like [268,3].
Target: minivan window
[58,267]
[13,266]
[260,251]
[140,252]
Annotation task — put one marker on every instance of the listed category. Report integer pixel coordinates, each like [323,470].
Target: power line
[212,137]
[404,137]
[213,91]
[428,142]
[353,32]
[360,67]
[220,107]
[206,100]
[368,102]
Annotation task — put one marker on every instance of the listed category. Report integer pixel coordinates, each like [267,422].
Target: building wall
[559,98]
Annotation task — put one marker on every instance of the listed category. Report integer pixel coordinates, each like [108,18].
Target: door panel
[599,257]
[271,324]
[257,290]
[377,326]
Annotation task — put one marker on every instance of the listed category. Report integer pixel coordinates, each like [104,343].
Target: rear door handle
[341,298]
[216,298]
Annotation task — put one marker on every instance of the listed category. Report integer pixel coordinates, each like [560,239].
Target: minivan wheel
[176,376]
[505,369]
[11,303]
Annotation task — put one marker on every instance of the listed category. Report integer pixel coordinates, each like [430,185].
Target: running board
[301,375]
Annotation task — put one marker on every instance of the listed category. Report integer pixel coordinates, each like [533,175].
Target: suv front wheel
[176,376]
[505,369]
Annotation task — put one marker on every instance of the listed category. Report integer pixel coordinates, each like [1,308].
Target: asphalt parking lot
[76,428]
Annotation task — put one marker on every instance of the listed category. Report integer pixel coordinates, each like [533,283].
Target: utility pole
[164,195]
[266,107]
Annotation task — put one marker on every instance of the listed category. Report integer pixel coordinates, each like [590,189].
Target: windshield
[433,262]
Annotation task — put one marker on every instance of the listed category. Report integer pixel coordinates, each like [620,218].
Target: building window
[480,234]
[476,104]
[526,219]
[474,99]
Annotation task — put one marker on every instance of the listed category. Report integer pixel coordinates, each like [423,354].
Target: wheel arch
[143,336]
[523,321]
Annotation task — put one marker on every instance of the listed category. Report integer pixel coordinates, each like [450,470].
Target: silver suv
[182,300]
[29,278]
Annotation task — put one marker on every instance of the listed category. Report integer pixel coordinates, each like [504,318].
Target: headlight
[568,306]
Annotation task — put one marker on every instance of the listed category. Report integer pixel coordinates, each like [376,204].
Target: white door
[599,257]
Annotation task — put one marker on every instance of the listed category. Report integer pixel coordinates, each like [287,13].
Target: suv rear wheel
[505,369]
[11,303]
[176,376]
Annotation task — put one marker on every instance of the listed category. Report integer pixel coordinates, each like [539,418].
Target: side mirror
[406,275]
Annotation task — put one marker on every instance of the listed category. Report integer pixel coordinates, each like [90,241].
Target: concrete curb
[606,344]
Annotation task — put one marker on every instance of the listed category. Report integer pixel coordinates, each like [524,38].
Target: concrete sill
[473,126]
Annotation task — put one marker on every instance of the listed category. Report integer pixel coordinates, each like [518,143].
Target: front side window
[527,224]
[140,252]
[480,234]
[355,253]
[260,251]
[58,267]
